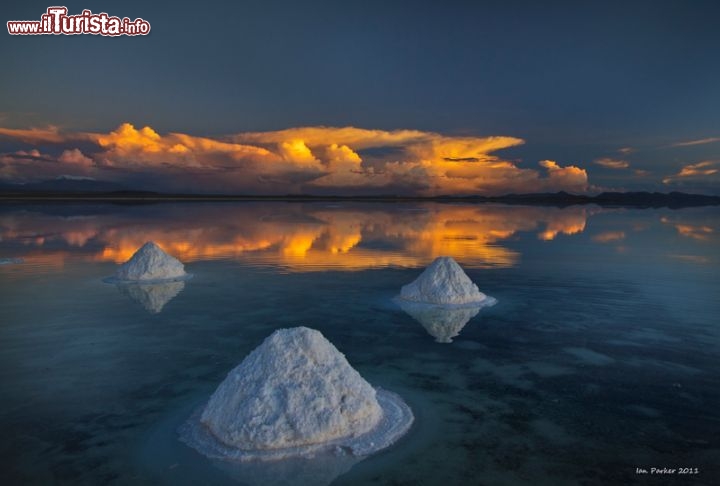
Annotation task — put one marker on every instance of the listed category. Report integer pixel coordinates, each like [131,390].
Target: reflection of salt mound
[150,263]
[442,323]
[291,471]
[154,296]
[443,282]
[11,261]
[296,395]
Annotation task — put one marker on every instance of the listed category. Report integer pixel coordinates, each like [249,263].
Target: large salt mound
[295,389]
[296,395]
[150,264]
[443,282]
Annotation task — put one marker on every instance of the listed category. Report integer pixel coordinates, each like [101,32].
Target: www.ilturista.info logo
[56,21]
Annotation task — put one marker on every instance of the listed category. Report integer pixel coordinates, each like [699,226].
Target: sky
[391,97]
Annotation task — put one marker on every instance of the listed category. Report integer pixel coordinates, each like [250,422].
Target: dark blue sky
[576,80]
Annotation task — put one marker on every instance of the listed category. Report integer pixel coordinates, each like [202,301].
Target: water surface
[600,357]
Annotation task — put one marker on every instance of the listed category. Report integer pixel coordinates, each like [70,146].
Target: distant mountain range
[62,185]
[78,189]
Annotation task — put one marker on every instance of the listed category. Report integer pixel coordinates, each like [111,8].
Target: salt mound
[295,389]
[296,395]
[150,263]
[443,282]
[152,296]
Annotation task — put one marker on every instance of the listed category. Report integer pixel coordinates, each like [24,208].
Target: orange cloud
[128,146]
[359,138]
[429,162]
[698,169]
[34,135]
[695,171]
[569,178]
[612,163]
[344,160]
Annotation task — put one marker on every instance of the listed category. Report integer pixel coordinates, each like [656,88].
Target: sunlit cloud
[359,138]
[76,157]
[612,163]
[49,134]
[26,165]
[570,177]
[626,150]
[324,160]
[130,147]
[699,171]
[701,141]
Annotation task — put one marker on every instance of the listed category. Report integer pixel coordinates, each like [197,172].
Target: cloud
[49,134]
[325,160]
[701,171]
[22,156]
[76,157]
[701,141]
[612,163]
[130,147]
[570,178]
[33,165]
[359,138]
[626,150]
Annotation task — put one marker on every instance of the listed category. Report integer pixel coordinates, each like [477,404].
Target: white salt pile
[442,322]
[296,395]
[443,282]
[152,297]
[151,264]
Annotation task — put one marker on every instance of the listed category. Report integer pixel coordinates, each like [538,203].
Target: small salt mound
[296,395]
[150,263]
[443,282]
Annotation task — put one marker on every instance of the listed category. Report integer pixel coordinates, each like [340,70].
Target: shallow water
[600,357]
